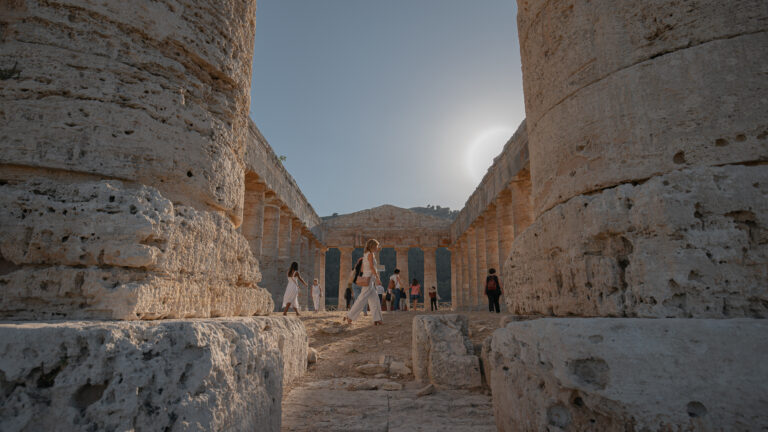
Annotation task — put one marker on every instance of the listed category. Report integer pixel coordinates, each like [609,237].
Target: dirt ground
[321,395]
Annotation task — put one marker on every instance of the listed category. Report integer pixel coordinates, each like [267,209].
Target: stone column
[465,273]
[270,252]
[294,253]
[253,214]
[345,266]
[491,238]
[320,272]
[521,201]
[283,250]
[482,266]
[505,227]
[454,276]
[308,264]
[430,272]
[472,267]
[401,258]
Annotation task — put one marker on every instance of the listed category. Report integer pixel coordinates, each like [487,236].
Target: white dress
[316,297]
[292,292]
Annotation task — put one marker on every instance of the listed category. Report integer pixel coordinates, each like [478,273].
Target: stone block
[214,374]
[110,250]
[691,243]
[618,374]
[442,353]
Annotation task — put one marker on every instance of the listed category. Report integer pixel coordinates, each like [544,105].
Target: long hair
[294,268]
[370,244]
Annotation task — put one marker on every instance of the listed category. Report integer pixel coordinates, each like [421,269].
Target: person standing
[433,297]
[291,296]
[396,290]
[316,294]
[493,290]
[370,280]
[415,293]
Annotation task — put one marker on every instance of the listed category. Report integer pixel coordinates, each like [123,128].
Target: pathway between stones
[334,395]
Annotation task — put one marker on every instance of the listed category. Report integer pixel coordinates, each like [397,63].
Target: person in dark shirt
[493,290]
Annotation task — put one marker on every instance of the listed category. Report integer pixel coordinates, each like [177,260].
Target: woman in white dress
[316,294]
[369,280]
[291,296]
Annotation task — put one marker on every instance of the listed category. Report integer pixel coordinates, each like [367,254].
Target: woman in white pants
[370,279]
[316,294]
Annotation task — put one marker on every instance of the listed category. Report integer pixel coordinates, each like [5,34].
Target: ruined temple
[146,224]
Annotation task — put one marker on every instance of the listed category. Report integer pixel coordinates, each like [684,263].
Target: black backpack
[358,270]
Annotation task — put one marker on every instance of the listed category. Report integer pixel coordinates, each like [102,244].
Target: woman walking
[316,294]
[369,280]
[291,296]
[415,293]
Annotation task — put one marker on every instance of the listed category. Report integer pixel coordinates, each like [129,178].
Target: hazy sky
[402,102]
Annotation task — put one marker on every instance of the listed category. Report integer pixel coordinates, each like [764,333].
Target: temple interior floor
[334,396]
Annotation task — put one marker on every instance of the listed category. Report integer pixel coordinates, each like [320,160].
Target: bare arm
[298,275]
[374,270]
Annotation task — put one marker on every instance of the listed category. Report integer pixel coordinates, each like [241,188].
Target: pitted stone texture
[223,374]
[618,374]
[646,89]
[692,243]
[107,250]
[442,353]
[150,92]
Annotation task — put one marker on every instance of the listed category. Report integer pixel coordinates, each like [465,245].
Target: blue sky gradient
[378,102]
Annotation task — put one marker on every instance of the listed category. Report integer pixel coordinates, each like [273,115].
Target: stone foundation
[214,374]
[442,353]
[109,250]
[691,243]
[630,374]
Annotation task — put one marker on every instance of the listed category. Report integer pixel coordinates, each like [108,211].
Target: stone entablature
[262,160]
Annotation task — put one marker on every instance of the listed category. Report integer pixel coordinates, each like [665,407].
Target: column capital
[346,249]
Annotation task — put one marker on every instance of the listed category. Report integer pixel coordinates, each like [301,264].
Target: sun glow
[484,148]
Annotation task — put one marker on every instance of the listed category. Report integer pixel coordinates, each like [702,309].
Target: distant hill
[431,210]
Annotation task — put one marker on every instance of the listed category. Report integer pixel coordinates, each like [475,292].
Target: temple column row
[487,243]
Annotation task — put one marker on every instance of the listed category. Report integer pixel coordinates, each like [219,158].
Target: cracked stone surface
[107,250]
[691,243]
[611,374]
[211,374]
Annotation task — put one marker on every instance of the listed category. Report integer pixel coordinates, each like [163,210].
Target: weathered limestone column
[320,272]
[430,271]
[401,259]
[472,267]
[253,214]
[463,288]
[505,221]
[296,245]
[522,202]
[284,249]
[308,264]
[647,154]
[482,266]
[454,276]
[345,266]
[491,238]
[270,251]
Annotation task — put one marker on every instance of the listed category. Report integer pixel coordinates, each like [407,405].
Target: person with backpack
[369,280]
[493,290]
[415,294]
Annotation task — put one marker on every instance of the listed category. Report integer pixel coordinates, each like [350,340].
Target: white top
[395,278]
[367,269]
[315,289]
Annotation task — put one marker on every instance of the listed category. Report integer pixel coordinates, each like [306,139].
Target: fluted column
[491,238]
[320,272]
[295,247]
[472,266]
[345,266]
[454,276]
[269,252]
[253,214]
[401,258]
[482,266]
[465,274]
[307,263]
[284,247]
[430,271]
[506,227]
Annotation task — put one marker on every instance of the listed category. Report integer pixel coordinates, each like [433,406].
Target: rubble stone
[442,352]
